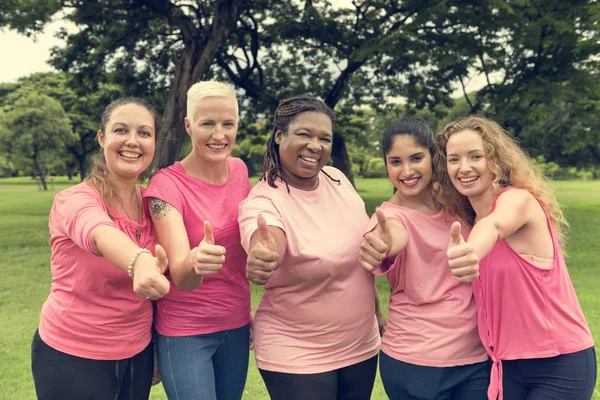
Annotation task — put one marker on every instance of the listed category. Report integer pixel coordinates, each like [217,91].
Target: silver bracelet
[133,259]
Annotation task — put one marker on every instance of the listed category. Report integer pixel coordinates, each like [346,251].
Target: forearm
[483,237]
[184,275]
[114,245]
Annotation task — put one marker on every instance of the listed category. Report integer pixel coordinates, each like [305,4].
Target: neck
[297,182]
[212,172]
[482,203]
[124,188]
[424,202]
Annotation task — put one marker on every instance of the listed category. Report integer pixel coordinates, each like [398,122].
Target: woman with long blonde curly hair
[528,315]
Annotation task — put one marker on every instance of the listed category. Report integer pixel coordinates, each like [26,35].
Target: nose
[218,134]
[313,144]
[132,140]
[406,169]
[464,166]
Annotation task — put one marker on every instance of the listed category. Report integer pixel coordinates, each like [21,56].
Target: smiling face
[409,166]
[305,148]
[468,166]
[213,128]
[128,140]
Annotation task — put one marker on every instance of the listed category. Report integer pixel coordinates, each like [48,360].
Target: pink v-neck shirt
[92,310]
[433,317]
[525,311]
[223,300]
[318,310]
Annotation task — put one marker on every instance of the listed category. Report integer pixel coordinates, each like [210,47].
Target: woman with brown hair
[94,337]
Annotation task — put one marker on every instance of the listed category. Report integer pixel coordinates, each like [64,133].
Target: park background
[533,66]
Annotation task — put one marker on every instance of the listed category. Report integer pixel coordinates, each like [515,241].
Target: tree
[33,132]
[83,107]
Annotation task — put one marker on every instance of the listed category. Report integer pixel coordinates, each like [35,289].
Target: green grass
[26,274]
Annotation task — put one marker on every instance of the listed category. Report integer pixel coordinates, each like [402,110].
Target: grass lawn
[26,274]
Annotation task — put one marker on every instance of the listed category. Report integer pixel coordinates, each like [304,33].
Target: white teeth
[217,146]
[410,181]
[128,154]
[309,159]
[468,180]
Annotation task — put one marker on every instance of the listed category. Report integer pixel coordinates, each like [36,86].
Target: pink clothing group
[318,310]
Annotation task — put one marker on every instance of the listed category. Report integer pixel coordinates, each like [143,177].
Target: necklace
[138,233]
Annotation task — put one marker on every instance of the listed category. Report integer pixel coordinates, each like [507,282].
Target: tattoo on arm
[158,208]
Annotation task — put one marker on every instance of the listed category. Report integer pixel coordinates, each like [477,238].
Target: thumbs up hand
[462,259]
[207,258]
[263,257]
[376,244]
[148,275]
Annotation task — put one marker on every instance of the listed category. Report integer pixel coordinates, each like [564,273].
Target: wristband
[133,259]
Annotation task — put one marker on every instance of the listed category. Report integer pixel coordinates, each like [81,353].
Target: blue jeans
[205,367]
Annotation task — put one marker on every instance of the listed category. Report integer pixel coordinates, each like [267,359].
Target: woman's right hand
[376,244]
[263,257]
[207,258]
[149,280]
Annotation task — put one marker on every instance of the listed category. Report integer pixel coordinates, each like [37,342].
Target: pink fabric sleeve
[79,213]
[164,188]
[248,213]
[389,263]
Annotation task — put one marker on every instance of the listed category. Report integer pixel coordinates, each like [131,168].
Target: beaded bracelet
[133,259]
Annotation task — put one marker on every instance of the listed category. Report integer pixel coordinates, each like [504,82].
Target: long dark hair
[286,112]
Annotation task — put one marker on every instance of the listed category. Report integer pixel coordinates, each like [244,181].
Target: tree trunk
[339,153]
[40,171]
[82,161]
[195,61]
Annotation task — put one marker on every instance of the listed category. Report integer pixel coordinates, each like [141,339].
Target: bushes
[556,172]
[375,168]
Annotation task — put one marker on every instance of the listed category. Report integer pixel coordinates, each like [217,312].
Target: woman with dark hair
[93,341]
[530,321]
[315,332]
[430,348]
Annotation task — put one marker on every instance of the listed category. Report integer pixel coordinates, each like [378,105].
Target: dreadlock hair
[286,113]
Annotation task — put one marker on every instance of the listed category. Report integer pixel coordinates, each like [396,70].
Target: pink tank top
[526,312]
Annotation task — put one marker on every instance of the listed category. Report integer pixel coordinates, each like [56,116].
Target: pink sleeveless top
[526,312]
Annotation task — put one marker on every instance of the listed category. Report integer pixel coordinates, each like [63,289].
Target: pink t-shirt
[92,310]
[223,300]
[525,311]
[318,310]
[433,317]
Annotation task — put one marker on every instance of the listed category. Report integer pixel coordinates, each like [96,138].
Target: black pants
[404,381]
[568,376]
[60,376]
[354,382]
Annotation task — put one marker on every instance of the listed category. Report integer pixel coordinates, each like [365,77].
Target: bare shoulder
[516,199]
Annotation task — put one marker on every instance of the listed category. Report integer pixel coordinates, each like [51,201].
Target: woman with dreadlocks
[315,332]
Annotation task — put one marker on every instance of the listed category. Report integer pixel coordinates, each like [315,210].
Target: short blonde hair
[202,89]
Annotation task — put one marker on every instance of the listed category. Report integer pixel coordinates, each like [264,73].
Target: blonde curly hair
[509,164]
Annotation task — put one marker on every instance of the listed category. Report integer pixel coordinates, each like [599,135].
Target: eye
[394,162]
[145,134]
[452,160]
[476,157]
[326,140]
[416,158]
[120,130]
[303,134]
[229,124]
[208,123]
